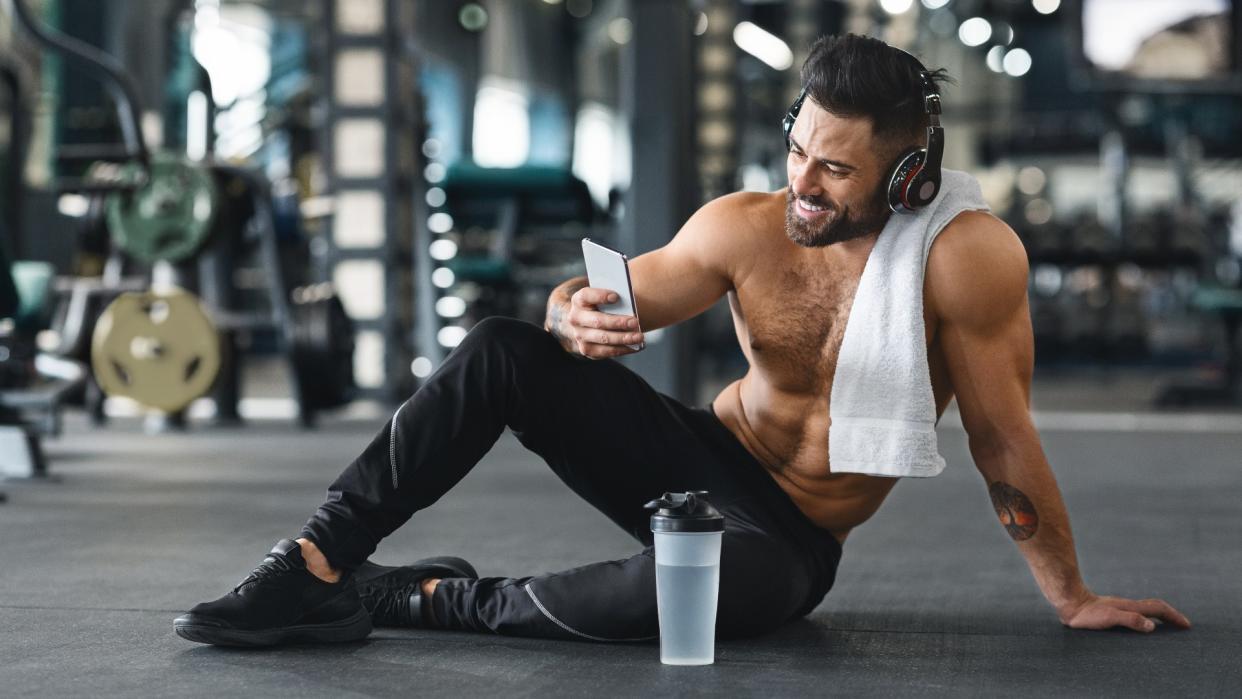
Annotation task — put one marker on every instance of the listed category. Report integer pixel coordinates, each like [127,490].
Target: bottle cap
[685,512]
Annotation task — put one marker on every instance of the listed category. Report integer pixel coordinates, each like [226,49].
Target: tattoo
[1015,510]
[556,313]
[559,310]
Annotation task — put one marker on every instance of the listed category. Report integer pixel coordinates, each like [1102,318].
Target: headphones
[915,178]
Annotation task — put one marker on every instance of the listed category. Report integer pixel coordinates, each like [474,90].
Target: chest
[793,320]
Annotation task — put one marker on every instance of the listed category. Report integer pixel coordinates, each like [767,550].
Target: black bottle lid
[685,512]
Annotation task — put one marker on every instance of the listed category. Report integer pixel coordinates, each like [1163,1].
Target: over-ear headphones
[914,180]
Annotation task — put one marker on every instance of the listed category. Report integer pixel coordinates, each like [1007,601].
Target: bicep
[990,370]
[687,275]
[985,332]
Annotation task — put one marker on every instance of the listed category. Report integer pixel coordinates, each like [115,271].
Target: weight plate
[159,349]
[169,217]
[323,348]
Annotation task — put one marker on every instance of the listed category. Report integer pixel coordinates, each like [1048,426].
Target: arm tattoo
[1015,510]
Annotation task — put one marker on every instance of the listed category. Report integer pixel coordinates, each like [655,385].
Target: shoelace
[389,603]
[271,567]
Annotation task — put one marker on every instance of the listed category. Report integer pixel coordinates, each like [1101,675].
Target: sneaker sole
[354,628]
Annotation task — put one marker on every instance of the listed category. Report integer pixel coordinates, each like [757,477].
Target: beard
[839,224]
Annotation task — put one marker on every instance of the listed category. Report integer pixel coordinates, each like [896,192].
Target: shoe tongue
[289,550]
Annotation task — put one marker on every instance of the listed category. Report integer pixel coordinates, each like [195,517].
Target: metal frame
[399,175]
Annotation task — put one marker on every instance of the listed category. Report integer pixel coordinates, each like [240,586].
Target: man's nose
[801,181]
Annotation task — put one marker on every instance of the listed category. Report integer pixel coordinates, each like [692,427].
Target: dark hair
[857,76]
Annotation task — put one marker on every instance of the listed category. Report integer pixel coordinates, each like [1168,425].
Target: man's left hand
[1104,612]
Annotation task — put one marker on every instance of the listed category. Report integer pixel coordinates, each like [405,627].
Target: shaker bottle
[688,531]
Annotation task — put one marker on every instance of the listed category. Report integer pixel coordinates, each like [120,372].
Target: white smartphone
[610,269]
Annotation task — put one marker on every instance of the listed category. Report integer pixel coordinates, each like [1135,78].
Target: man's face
[836,171]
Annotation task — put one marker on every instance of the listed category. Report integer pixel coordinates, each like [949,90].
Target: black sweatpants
[617,443]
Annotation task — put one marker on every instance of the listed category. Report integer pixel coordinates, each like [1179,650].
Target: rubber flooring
[932,598]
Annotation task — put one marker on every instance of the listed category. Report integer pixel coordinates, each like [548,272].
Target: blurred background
[219,210]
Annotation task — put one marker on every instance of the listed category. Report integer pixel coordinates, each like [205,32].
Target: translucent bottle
[688,532]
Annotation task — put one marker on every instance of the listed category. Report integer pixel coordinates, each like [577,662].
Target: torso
[790,306]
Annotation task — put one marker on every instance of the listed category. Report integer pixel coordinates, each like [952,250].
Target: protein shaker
[688,531]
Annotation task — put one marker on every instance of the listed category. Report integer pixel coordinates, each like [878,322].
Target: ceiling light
[1017,62]
[975,31]
[1046,7]
[763,45]
[996,57]
[896,7]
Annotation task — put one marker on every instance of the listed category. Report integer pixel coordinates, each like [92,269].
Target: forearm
[1028,502]
[558,310]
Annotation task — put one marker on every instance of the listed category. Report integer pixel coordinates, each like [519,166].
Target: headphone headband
[915,178]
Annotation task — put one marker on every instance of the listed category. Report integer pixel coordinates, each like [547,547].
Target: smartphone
[610,269]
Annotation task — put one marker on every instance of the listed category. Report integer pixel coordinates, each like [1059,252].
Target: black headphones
[915,178]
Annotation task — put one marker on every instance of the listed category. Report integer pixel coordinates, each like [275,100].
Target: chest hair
[798,327]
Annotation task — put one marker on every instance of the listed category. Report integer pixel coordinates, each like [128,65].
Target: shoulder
[743,209]
[732,229]
[977,270]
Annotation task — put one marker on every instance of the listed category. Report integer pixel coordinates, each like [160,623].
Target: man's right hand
[591,333]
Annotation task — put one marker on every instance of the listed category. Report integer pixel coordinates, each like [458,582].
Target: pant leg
[605,432]
[609,436]
[765,581]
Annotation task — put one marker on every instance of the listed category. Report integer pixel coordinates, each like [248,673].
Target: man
[790,263]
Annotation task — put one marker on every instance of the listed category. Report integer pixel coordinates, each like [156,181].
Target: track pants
[614,441]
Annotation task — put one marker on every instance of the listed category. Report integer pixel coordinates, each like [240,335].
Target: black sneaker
[393,594]
[279,602]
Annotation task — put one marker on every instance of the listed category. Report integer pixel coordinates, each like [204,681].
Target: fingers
[1135,621]
[1108,616]
[598,335]
[583,310]
[597,343]
[589,297]
[606,337]
[597,351]
[602,321]
[1156,608]
[1108,612]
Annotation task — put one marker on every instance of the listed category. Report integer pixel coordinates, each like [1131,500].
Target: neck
[856,249]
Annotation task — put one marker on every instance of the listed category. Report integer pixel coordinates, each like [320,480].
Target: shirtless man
[790,263]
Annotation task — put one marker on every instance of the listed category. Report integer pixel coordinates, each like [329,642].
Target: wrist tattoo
[1015,510]
[555,314]
[557,311]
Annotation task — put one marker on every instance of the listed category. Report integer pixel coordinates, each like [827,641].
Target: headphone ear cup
[791,116]
[923,187]
[906,170]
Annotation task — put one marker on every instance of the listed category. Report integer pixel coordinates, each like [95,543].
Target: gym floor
[932,598]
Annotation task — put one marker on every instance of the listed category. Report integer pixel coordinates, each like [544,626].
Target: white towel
[882,409]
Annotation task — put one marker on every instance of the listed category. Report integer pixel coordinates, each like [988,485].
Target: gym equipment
[163,210]
[517,234]
[123,90]
[32,386]
[158,348]
[13,155]
[167,217]
[1227,304]
[323,349]
[33,282]
[914,180]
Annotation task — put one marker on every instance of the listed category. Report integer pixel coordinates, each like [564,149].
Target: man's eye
[798,154]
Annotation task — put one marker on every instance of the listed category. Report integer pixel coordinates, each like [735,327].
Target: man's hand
[1103,612]
[591,333]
